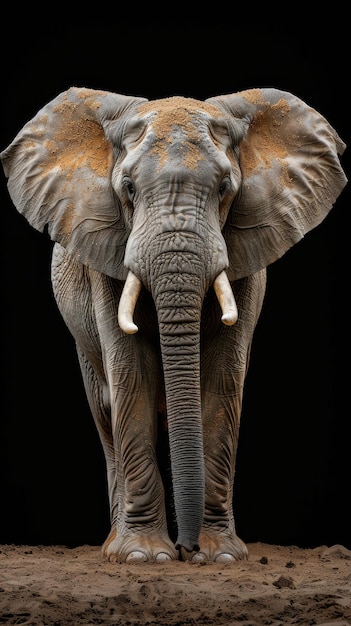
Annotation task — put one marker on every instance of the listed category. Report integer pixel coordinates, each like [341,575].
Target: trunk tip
[189,546]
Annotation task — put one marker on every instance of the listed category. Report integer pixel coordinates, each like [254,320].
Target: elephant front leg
[139,532]
[218,539]
[224,364]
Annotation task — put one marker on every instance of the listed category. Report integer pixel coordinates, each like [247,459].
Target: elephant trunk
[180,350]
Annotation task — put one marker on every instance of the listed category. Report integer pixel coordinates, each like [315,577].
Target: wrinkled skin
[165,215]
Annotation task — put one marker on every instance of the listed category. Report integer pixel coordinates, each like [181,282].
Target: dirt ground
[59,586]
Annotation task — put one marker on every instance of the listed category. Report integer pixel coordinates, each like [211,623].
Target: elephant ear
[59,175]
[291,176]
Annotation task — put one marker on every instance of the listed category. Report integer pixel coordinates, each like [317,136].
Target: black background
[293,470]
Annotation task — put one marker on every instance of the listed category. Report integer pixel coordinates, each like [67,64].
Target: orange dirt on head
[177,111]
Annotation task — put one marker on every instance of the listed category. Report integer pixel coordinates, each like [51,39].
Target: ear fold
[59,175]
[291,176]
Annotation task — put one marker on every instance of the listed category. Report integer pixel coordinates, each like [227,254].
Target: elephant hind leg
[98,398]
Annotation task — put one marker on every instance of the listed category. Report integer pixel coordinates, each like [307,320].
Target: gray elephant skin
[165,214]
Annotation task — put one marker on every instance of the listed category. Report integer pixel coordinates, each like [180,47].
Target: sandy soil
[58,586]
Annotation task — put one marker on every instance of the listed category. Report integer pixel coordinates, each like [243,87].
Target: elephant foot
[217,547]
[139,548]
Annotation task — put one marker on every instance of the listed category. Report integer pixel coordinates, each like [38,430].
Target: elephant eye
[131,190]
[129,187]
[223,187]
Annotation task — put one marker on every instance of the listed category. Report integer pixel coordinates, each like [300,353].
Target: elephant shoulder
[65,269]
[63,259]
[58,253]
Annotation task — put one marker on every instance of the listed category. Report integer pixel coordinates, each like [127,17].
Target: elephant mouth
[132,289]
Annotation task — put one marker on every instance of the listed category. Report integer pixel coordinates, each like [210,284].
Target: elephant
[164,216]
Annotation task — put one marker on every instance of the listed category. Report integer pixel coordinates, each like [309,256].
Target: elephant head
[177,195]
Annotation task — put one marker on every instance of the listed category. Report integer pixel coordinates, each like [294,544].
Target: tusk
[226,299]
[127,304]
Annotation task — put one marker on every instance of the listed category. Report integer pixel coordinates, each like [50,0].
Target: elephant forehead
[180,123]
